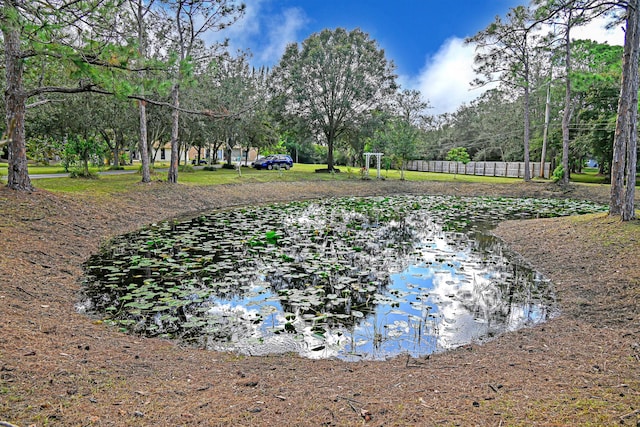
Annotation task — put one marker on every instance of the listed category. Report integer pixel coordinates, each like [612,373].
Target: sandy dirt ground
[59,367]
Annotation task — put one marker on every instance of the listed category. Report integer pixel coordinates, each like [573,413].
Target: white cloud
[282,30]
[595,30]
[446,76]
[445,79]
[243,30]
[265,32]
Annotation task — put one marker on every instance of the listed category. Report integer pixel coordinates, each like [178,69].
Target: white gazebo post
[368,158]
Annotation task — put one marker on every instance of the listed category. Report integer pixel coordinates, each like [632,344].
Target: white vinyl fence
[505,169]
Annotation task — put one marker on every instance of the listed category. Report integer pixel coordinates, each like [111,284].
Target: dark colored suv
[274,161]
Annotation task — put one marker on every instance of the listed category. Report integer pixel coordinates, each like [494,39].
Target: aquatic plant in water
[347,277]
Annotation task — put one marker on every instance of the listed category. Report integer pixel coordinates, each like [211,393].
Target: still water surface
[353,278]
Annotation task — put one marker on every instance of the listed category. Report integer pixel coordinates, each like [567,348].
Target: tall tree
[39,34]
[232,85]
[191,20]
[566,14]
[567,112]
[333,80]
[401,139]
[409,105]
[625,145]
[490,128]
[596,88]
[505,52]
[140,10]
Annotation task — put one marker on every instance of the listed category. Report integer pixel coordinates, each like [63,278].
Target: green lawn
[41,170]
[589,176]
[300,172]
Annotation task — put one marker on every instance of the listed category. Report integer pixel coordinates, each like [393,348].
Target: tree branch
[91,88]
[42,102]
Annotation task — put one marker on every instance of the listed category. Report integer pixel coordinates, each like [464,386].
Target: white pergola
[367,157]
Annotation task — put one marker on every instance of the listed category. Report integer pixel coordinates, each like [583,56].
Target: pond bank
[58,367]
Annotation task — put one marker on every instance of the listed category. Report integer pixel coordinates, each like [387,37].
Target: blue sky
[424,38]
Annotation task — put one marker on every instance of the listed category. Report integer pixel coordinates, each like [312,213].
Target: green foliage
[596,90]
[91,57]
[271,237]
[41,149]
[399,140]
[279,148]
[458,154]
[507,49]
[491,127]
[558,174]
[81,173]
[344,70]
[77,151]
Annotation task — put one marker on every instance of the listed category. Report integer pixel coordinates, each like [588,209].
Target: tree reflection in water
[351,278]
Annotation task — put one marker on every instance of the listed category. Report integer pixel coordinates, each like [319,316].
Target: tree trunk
[628,206]
[143,146]
[527,131]
[228,151]
[154,148]
[112,147]
[545,134]
[172,176]
[624,144]
[330,140]
[566,115]
[117,143]
[15,104]
[85,164]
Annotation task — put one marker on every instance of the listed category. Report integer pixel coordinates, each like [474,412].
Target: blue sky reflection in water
[456,289]
[352,278]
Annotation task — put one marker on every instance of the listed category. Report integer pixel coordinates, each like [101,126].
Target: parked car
[273,161]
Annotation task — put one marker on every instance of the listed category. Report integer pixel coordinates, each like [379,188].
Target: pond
[352,278]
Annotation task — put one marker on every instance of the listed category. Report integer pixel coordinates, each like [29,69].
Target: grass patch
[609,230]
[113,184]
[306,172]
[43,170]
[103,185]
[589,176]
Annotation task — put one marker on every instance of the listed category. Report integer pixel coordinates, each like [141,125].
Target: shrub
[81,173]
[558,173]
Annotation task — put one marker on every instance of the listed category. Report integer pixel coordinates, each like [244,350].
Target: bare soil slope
[58,367]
